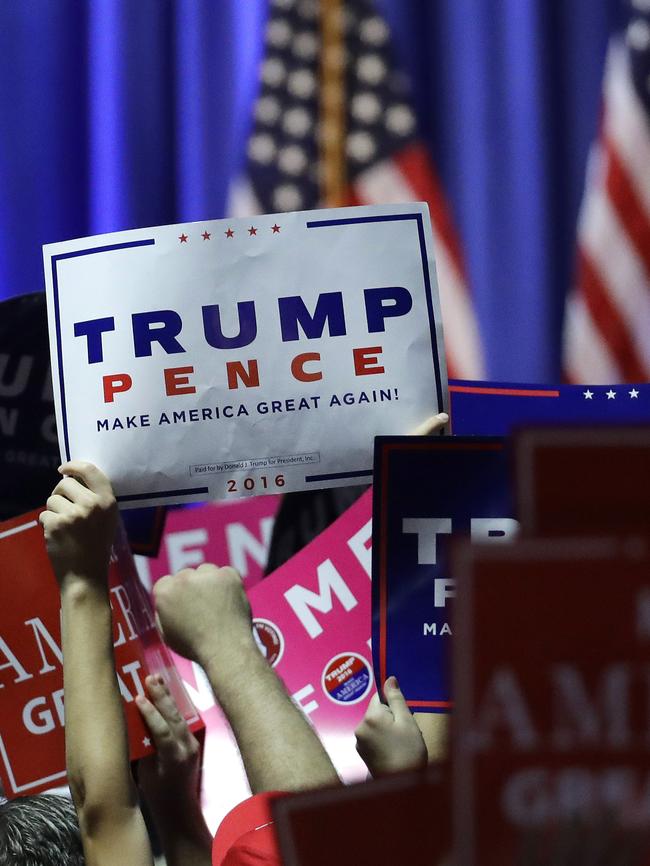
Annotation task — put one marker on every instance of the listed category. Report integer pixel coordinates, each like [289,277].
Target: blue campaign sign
[495,408]
[428,490]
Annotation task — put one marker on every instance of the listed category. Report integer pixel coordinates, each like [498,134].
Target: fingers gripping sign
[79,522]
[177,757]
[432,425]
[170,779]
[388,738]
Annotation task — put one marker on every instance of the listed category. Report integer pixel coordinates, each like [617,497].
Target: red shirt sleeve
[256,848]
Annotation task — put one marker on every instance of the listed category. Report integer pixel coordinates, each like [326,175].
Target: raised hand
[80,522]
[169,779]
[388,738]
[204,614]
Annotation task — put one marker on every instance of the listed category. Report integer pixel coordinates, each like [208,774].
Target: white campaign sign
[228,358]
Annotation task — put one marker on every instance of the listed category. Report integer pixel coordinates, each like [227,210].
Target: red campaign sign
[552,743]
[32,748]
[561,473]
[228,533]
[401,819]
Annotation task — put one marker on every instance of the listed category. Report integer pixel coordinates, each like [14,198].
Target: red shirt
[246,836]
[255,848]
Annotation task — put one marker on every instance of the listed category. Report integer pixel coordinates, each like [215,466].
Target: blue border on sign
[315,224]
[362,473]
[188,491]
[59,351]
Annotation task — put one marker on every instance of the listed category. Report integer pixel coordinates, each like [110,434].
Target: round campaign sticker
[347,678]
[269,640]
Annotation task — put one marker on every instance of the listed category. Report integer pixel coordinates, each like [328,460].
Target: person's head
[40,831]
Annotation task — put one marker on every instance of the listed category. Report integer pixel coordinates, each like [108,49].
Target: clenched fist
[203,613]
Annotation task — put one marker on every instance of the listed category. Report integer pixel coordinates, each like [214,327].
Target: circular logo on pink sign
[269,640]
[347,678]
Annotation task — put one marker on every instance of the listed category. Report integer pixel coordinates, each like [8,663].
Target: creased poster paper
[226,359]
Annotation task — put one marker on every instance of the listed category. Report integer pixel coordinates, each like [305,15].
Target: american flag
[333,125]
[607,321]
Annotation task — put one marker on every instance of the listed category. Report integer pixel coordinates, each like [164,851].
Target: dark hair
[40,831]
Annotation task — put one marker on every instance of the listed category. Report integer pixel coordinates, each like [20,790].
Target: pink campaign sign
[233,533]
[312,620]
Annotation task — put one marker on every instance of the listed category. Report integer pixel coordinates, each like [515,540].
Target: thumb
[376,710]
[396,700]
[432,425]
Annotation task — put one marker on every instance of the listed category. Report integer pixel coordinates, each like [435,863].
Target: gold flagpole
[333,177]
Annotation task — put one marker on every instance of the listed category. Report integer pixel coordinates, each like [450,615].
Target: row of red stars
[229,233]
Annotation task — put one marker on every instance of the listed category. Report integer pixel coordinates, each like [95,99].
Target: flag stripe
[587,356]
[625,121]
[458,319]
[628,206]
[416,165]
[614,257]
[606,317]
[242,200]
[607,321]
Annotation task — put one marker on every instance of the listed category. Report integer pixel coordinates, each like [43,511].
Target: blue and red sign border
[310,224]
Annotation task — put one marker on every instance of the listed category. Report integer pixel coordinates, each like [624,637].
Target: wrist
[228,664]
[175,810]
[77,588]
[178,827]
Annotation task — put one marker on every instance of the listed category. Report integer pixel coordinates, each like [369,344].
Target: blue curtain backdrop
[123,113]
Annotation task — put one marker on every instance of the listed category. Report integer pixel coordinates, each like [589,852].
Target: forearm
[185,838]
[96,742]
[279,748]
[181,827]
